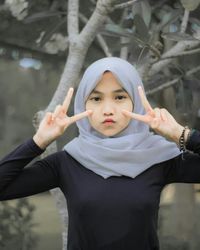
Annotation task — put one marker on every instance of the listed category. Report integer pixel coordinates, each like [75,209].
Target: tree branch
[178,48]
[184,53]
[72,18]
[34,51]
[124,5]
[172,82]
[78,49]
[124,40]
[100,38]
[104,45]
[185,21]
[97,19]
[124,49]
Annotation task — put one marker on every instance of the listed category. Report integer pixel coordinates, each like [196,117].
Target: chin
[110,134]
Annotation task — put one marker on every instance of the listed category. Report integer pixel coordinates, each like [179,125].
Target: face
[107,100]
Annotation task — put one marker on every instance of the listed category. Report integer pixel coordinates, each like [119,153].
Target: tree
[159,37]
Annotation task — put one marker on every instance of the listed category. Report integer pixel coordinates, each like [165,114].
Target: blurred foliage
[16,226]
[22,93]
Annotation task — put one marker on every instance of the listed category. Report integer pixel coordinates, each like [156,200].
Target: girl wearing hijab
[113,173]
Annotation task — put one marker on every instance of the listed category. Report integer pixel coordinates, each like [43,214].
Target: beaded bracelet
[182,142]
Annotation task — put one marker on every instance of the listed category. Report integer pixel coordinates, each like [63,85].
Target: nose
[108,109]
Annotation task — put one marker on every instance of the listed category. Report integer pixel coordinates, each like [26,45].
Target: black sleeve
[185,168]
[17,181]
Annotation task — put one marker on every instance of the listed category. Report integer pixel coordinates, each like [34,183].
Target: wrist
[181,136]
[177,133]
[40,142]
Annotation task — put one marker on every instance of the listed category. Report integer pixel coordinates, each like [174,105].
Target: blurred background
[44,48]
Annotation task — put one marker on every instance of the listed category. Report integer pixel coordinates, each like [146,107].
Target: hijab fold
[128,153]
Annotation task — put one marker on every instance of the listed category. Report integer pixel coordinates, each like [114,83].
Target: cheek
[128,106]
[87,105]
[92,106]
[93,118]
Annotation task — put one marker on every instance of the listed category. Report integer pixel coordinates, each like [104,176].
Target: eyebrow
[115,91]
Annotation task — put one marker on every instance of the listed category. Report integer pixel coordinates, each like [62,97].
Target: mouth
[108,121]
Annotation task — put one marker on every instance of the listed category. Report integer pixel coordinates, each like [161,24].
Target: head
[106,101]
[108,86]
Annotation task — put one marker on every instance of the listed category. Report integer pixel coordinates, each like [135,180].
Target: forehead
[108,76]
[108,82]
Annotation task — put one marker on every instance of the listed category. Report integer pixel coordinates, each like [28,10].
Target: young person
[113,173]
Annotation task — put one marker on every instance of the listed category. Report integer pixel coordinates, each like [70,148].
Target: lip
[108,121]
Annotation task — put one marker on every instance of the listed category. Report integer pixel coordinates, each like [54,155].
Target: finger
[68,99]
[157,113]
[56,111]
[144,101]
[80,116]
[155,123]
[135,116]
[163,114]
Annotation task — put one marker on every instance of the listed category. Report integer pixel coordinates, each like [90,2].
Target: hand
[54,124]
[160,120]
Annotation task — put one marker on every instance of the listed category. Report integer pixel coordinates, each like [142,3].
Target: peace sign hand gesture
[54,124]
[160,120]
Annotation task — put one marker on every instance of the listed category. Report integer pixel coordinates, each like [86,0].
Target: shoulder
[61,157]
[57,156]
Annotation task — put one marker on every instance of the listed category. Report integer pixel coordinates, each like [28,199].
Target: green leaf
[190,5]
[41,15]
[116,29]
[168,19]
[143,9]
[195,24]
[194,20]
[141,28]
[48,34]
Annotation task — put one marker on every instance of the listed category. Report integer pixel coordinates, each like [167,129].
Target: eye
[95,99]
[120,97]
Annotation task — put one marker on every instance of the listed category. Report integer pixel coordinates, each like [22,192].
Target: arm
[185,168]
[19,181]
[13,163]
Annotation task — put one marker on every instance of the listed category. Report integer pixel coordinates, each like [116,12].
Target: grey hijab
[130,152]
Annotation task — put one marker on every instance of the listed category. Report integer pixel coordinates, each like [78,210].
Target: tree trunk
[78,47]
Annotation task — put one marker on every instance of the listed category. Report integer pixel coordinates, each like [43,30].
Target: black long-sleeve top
[118,213]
